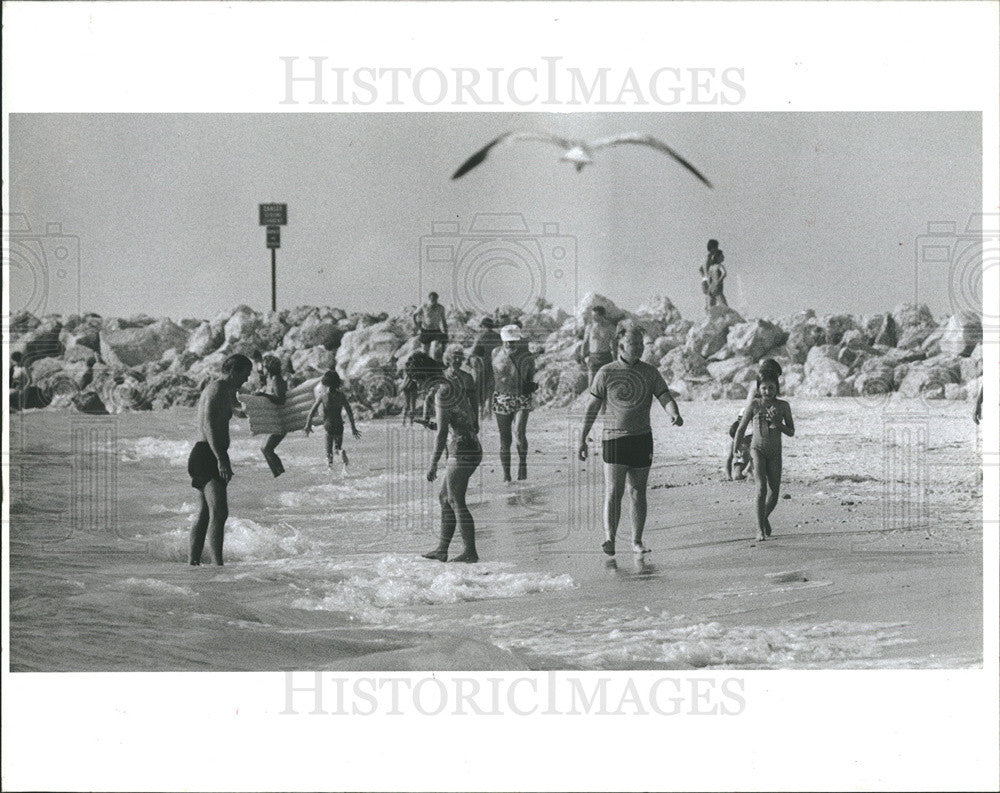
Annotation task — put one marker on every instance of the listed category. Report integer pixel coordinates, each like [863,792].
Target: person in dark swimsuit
[333,400]
[454,402]
[208,463]
[275,389]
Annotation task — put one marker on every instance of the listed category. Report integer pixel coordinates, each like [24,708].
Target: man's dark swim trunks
[202,465]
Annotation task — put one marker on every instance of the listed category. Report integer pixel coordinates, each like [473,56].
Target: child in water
[275,388]
[771,417]
[331,397]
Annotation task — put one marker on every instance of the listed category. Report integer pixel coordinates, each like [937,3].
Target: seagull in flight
[580,152]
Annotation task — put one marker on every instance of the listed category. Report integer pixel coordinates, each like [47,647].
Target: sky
[812,210]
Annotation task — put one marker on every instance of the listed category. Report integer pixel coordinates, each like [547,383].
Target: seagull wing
[480,155]
[648,140]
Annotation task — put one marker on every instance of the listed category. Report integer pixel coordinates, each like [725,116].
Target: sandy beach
[876,559]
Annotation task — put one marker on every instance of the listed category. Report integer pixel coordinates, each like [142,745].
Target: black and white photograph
[439,388]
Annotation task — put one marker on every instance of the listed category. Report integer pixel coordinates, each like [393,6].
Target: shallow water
[323,567]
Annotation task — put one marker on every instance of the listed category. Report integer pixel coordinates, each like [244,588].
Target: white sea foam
[675,640]
[393,581]
[154,586]
[245,541]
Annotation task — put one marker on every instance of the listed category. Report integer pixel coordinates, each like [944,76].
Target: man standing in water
[432,325]
[626,388]
[208,463]
[598,342]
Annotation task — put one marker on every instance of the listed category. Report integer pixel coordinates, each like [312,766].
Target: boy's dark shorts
[428,336]
[634,451]
[335,429]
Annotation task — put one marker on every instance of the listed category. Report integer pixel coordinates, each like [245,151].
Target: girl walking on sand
[771,418]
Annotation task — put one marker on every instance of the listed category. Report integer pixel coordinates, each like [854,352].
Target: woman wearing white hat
[514,374]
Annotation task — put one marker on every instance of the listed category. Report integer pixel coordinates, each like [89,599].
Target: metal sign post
[274,216]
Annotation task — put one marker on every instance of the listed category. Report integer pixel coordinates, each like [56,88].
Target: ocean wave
[372,587]
[674,640]
[245,541]
[154,586]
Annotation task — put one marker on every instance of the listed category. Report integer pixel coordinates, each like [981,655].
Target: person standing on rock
[483,348]
[626,389]
[432,325]
[454,403]
[713,275]
[598,342]
[514,371]
[208,463]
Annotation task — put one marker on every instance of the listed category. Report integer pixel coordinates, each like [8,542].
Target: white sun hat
[510,333]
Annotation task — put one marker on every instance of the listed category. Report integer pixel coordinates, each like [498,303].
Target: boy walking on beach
[333,400]
[208,463]
[598,342]
[432,325]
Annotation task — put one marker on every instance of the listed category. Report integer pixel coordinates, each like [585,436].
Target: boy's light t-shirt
[628,391]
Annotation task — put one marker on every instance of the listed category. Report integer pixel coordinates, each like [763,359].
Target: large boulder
[22,322]
[874,381]
[132,346]
[961,334]
[313,361]
[836,326]
[167,389]
[592,299]
[927,381]
[725,371]
[89,402]
[881,329]
[914,324]
[824,375]
[369,347]
[206,338]
[316,329]
[123,392]
[682,363]
[41,342]
[84,333]
[754,339]
[709,336]
[802,338]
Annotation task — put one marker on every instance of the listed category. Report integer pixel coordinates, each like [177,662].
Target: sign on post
[274,214]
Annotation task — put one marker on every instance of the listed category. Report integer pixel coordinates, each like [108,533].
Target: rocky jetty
[98,364]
